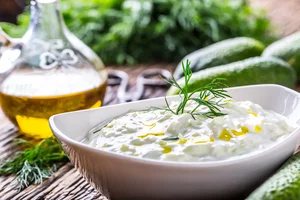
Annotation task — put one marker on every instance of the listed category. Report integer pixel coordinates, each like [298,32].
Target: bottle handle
[10,50]
[5,40]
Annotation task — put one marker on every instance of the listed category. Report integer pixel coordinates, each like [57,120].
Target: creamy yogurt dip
[159,134]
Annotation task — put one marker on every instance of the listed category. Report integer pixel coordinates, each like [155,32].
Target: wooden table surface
[67,183]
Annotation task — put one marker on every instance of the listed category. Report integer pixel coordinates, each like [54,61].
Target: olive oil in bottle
[28,99]
[55,72]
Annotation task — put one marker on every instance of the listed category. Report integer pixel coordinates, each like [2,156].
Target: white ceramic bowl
[123,177]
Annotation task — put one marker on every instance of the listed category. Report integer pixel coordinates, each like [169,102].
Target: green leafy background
[147,31]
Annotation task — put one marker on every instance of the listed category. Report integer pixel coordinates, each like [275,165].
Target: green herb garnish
[210,95]
[138,31]
[171,138]
[35,163]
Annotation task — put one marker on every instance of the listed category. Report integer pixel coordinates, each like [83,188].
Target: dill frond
[210,95]
[35,162]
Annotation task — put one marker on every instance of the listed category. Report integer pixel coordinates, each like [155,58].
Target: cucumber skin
[287,49]
[257,70]
[283,185]
[221,53]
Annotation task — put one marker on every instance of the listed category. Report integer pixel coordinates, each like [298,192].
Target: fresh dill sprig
[171,138]
[210,95]
[35,162]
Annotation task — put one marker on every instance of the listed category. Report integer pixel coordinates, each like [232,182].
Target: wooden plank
[67,183]
[284,14]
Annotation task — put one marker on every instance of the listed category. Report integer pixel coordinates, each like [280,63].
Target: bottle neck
[46,20]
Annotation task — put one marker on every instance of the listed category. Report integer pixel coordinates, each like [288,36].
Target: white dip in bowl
[161,134]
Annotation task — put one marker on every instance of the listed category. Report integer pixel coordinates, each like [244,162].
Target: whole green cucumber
[288,49]
[257,70]
[283,185]
[221,53]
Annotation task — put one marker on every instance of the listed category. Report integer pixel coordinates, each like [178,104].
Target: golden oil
[29,99]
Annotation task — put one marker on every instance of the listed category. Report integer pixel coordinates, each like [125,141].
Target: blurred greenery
[143,31]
